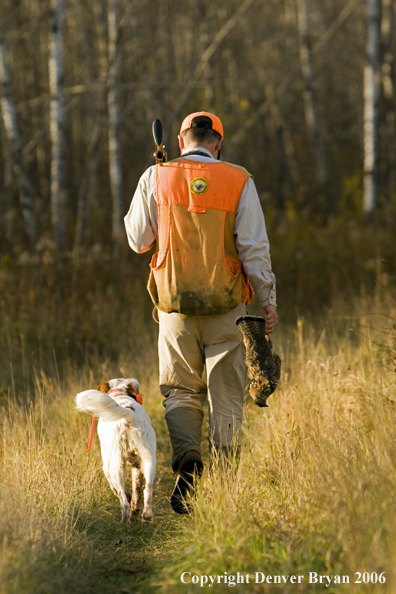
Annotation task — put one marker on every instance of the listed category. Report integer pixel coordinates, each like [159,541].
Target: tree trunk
[95,109]
[204,60]
[84,183]
[114,127]
[311,114]
[285,136]
[207,75]
[15,143]
[388,90]
[58,191]
[7,229]
[371,88]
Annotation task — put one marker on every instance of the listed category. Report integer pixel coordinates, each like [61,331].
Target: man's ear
[181,142]
[217,147]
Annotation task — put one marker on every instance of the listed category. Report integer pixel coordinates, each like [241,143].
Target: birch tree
[58,192]
[310,104]
[371,88]
[15,143]
[114,126]
[239,57]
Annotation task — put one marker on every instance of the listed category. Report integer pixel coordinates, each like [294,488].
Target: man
[212,246]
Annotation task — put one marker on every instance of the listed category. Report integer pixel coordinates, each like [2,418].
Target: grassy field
[315,490]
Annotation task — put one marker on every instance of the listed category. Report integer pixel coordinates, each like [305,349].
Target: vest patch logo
[199,185]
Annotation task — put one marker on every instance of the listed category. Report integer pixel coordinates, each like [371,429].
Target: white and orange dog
[126,435]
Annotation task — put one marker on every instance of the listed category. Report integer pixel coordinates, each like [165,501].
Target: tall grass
[60,525]
[315,488]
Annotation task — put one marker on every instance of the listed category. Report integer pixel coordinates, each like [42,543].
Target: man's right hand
[270,316]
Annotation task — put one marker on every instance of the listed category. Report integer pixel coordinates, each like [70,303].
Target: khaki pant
[189,345]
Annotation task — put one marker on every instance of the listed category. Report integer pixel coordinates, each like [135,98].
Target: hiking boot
[189,470]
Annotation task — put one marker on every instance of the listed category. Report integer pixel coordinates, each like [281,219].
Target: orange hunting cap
[202,119]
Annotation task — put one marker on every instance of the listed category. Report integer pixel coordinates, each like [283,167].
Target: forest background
[306,93]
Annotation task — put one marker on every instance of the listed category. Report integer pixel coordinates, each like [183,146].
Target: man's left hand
[270,316]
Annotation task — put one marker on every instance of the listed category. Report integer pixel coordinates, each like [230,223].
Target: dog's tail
[103,406]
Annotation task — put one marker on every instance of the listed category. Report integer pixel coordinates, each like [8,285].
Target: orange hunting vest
[196,269]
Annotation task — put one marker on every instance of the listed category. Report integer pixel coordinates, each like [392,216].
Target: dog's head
[130,385]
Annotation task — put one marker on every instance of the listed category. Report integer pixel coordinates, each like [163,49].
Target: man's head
[202,129]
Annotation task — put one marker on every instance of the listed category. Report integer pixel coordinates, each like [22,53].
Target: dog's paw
[147,518]
[133,515]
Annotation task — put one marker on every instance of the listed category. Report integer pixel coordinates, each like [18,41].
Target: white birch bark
[15,142]
[371,88]
[58,192]
[114,127]
[311,114]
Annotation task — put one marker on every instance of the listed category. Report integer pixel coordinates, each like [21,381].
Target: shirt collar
[201,149]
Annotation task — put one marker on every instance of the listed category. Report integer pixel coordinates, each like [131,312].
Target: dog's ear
[104,387]
[133,386]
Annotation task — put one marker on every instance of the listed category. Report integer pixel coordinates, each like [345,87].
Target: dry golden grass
[315,490]
[59,523]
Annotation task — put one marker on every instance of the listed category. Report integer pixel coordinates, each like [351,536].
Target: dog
[126,435]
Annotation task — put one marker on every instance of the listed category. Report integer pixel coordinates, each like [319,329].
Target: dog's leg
[117,482]
[148,469]
[109,479]
[135,499]
[108,460]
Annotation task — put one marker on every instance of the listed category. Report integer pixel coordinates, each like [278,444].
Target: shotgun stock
[160,153]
